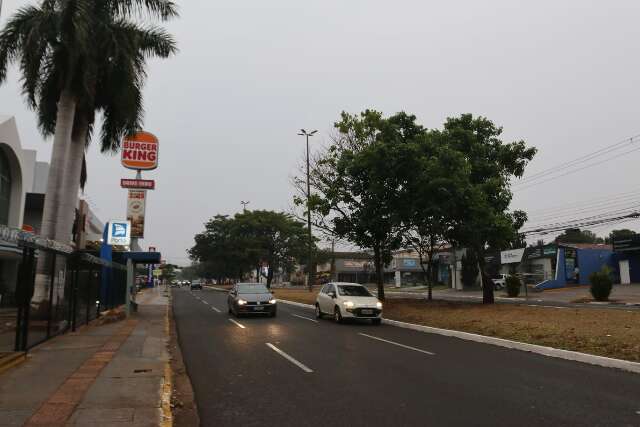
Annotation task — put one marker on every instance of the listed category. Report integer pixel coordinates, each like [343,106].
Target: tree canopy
[231,247]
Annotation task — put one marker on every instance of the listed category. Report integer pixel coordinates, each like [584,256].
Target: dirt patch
[298,295]
[183,403]
[610,333]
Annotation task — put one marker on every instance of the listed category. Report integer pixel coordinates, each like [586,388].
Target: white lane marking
[213,308]
[305,318]
[289,358]
[205,302]
[398,344]
[239,324]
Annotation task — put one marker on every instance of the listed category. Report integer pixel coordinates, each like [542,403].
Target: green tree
[273,238]
[359,183]
[437,179]
[624,233]
[575,235]
[483,219]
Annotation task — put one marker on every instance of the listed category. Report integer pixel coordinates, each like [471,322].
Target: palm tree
[78,57]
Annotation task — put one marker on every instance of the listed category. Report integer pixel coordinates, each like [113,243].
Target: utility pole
[311,271]
[244,205]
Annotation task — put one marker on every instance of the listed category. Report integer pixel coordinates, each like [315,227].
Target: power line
[579,160]
[577,170]
[599,208]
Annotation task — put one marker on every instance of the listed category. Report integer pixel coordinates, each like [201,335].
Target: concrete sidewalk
[110,375]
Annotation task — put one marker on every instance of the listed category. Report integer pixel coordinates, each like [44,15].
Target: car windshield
[353,291]
[252,289]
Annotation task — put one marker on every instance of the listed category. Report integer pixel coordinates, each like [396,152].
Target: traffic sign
[138,184]
[119,233]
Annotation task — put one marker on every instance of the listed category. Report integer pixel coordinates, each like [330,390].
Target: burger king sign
[140,151]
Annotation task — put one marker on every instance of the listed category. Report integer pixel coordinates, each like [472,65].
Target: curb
[11,360]
[167,414]
[575,356]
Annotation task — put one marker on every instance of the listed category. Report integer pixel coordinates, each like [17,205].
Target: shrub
[601,284]
[513,285]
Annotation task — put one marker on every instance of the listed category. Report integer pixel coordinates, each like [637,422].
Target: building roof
[587,246]
[352,255]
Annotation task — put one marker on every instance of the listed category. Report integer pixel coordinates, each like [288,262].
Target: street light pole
[244,206]
[310,270]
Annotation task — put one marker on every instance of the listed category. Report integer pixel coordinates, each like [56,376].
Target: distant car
[348,301]
[196,284]
[500,281]
[186,283]
[251,298]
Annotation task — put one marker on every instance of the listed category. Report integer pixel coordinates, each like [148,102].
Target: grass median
[603,332]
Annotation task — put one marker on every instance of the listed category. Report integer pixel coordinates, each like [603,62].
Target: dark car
[196,284]
[251,298]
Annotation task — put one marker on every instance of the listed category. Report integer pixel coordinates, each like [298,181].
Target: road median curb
[590,359]
[11,360]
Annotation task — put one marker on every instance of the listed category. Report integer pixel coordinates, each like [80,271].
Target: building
[627,258]
[23,183]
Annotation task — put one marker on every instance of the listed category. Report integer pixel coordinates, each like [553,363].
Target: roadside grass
[602,332]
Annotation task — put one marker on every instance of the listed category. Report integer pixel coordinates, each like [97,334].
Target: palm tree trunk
[61,140]
[71,180]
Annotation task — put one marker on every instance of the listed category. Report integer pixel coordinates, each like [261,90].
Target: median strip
[289,358]
[398,344]
[238,324]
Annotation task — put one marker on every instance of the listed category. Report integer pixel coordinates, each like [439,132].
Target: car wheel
[337,316]
[318,312]
[376,321]
[274,314]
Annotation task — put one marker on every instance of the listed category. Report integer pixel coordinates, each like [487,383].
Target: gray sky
[562,75]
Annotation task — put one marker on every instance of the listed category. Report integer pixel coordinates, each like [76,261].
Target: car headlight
[349,304]
[241,302]
[379,304]
[272,301]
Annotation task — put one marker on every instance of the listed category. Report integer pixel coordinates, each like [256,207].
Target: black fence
[48,289]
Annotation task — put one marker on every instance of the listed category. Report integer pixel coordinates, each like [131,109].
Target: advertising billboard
[138,184]
[140,151]
[136,204]
[513,256]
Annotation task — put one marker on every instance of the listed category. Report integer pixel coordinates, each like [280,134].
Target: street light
[310,272]
[244,205]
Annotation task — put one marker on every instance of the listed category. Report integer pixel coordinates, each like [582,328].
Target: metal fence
[49,289]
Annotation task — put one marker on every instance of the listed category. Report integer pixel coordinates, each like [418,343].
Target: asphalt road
[295,371]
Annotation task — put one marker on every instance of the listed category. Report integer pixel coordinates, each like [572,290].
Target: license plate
[367,311]
[258,308]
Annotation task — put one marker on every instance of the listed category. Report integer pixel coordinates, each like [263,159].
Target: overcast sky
[562,75]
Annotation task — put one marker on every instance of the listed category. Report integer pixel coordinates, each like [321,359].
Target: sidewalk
[110,375]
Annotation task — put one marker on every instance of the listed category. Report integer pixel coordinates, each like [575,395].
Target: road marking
[305,318]
[239,324]
[205,302]
[213,308]
[289,358]
[398,344]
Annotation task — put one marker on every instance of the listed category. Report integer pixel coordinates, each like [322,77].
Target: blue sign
[119,233]
[410,262]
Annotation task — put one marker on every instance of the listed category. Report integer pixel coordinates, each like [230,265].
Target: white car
[500,281]
[348,301]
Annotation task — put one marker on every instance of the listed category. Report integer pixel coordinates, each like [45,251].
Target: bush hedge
[601,285]
[513,285]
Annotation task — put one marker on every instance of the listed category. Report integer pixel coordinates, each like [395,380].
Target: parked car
[251,298]
[500,281]
[196,284]
[348,301]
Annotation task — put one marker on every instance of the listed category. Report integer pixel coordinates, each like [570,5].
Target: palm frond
[162,9]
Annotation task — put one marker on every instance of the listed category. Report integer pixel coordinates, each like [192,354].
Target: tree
[482,212]
[232,247]
[575,235]
[275,238]
[359,183]
[438,175]
[624,233]
[77,57]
